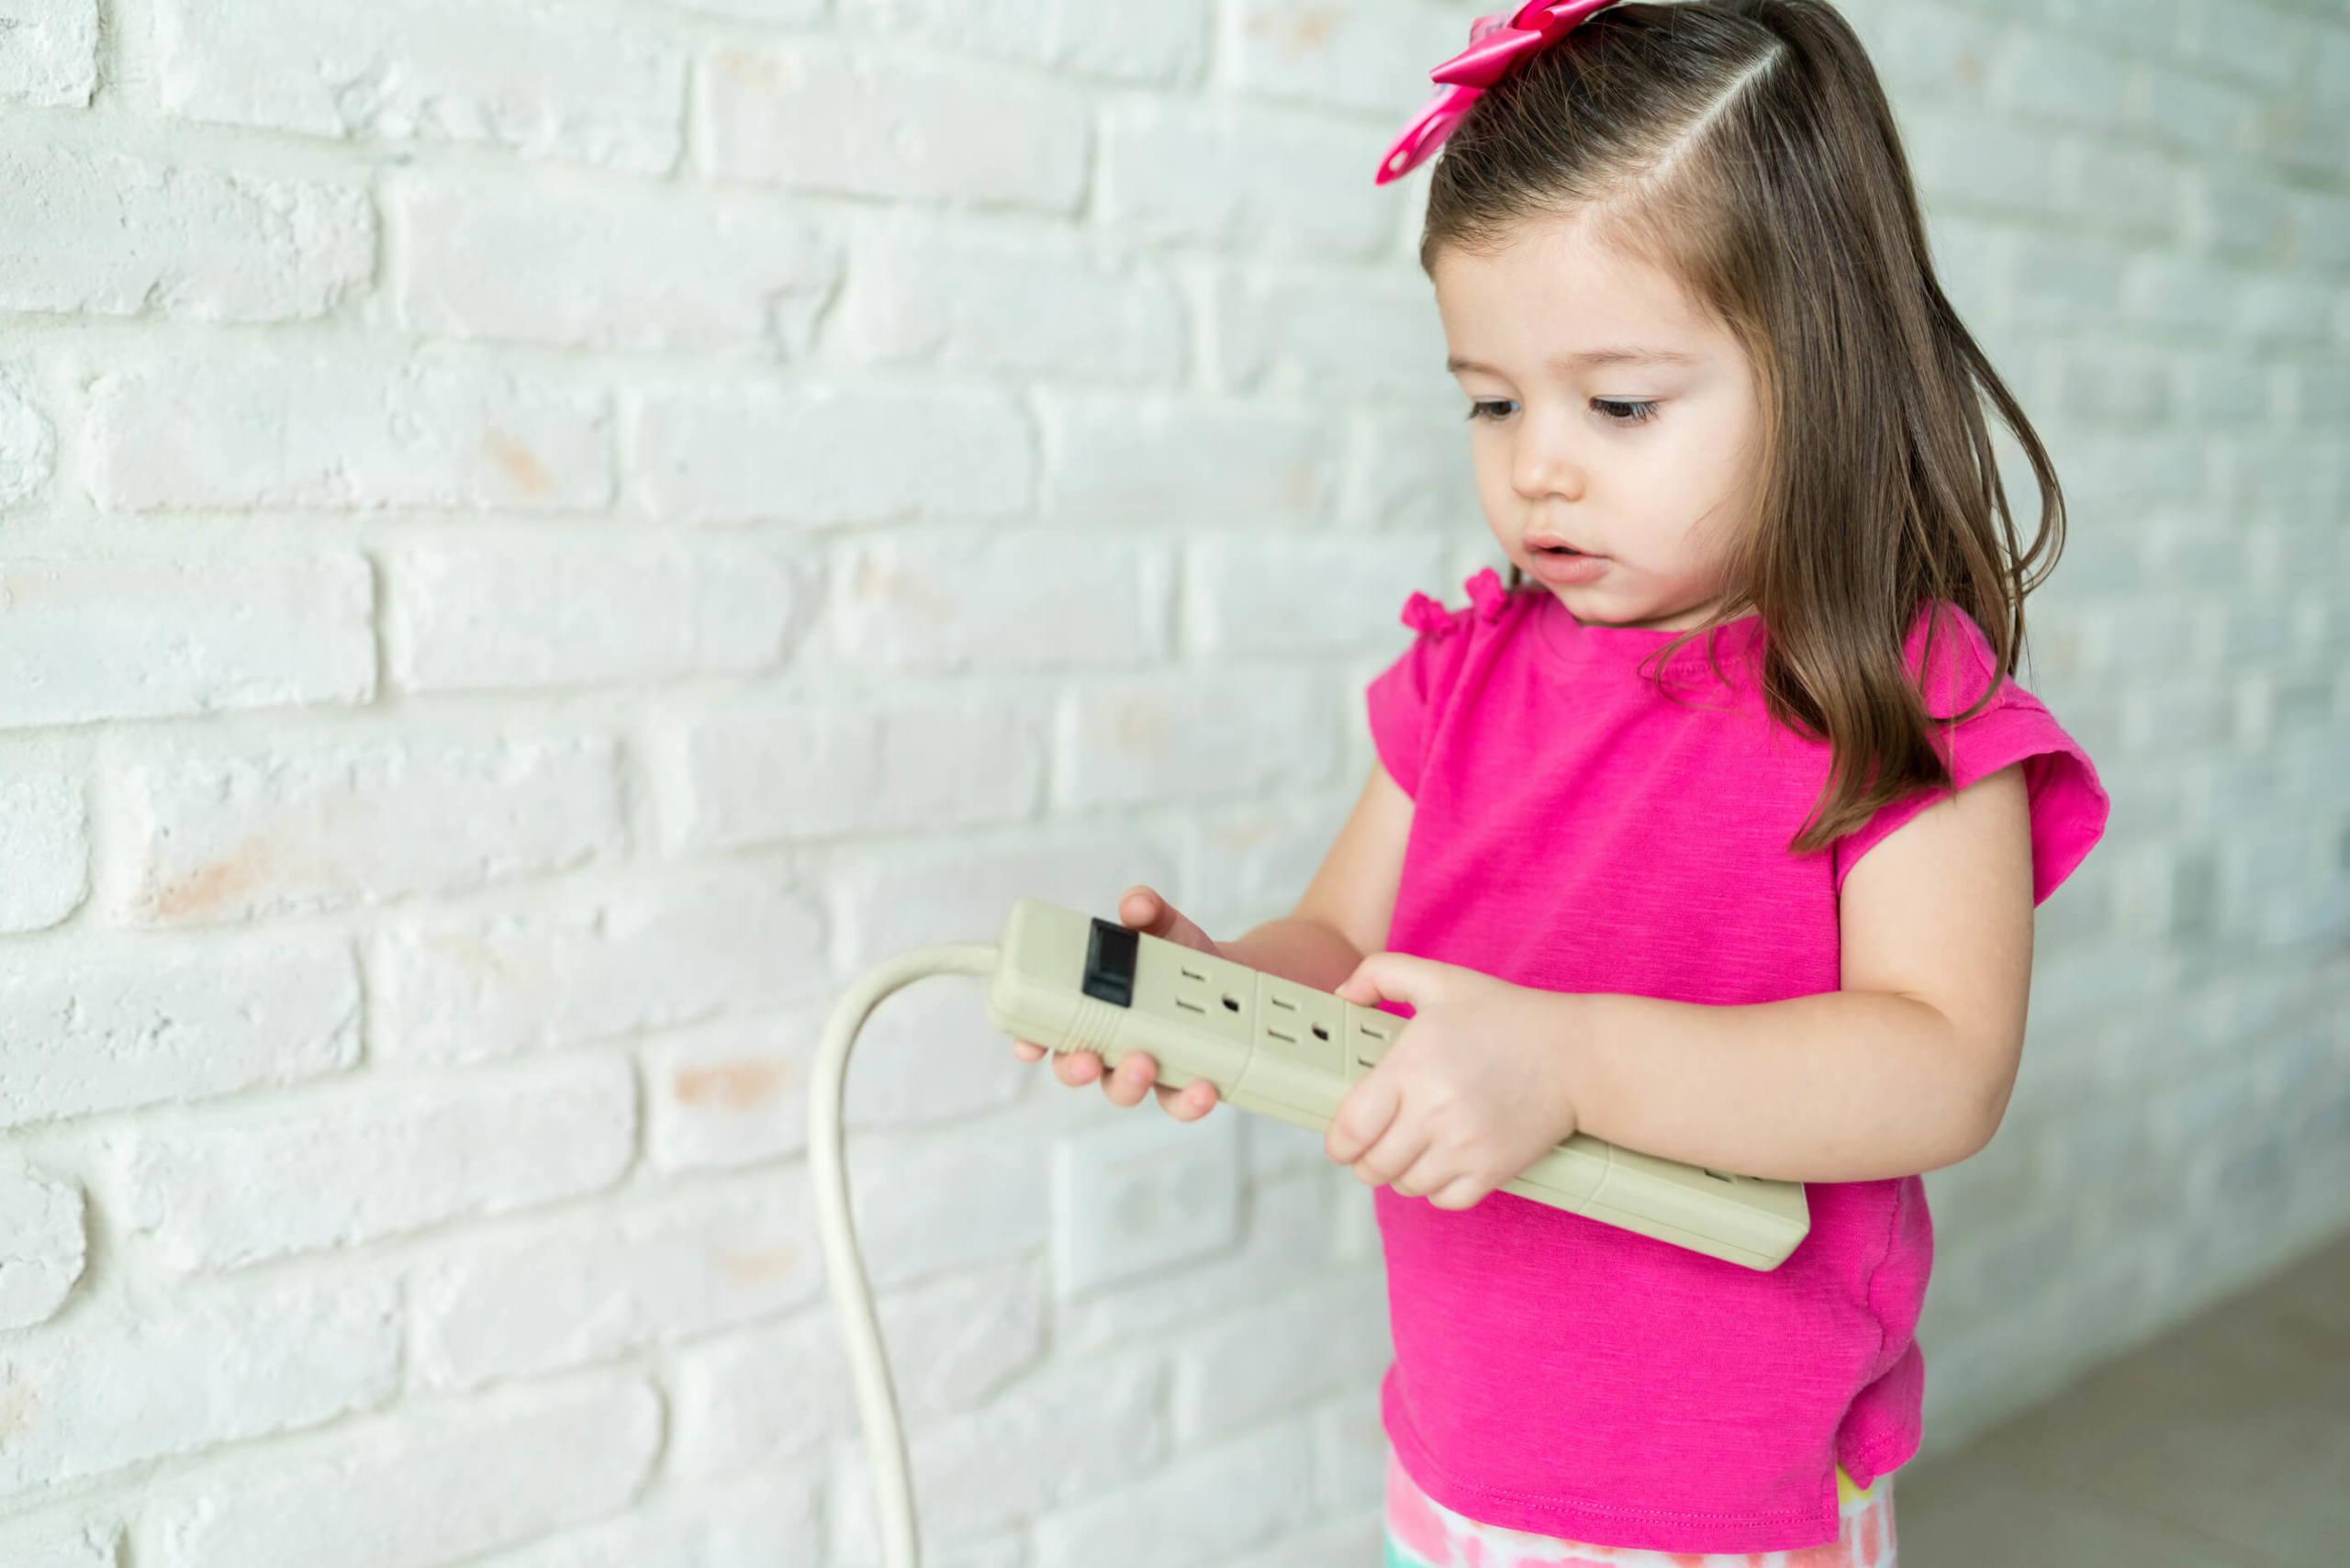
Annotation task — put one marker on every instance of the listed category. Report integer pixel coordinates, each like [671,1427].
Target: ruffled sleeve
[1406,698]
[2068,805]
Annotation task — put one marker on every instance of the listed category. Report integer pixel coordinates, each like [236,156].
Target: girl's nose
[1546,467]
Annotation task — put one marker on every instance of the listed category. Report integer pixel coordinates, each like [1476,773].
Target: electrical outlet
[1141,1194]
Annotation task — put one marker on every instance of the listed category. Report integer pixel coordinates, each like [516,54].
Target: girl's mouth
[1559,562]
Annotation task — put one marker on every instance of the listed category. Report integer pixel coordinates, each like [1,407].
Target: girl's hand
[1140,909]
[1474,1091]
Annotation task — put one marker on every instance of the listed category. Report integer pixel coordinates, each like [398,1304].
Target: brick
[1372,58]
[761,1397]
[1931,49]
[40,1215]
[1121,459]
[919,296]
[27,444]
[768,1523]
[1059,1437]
[294,429]
[546,80]
[797,771]
[2291,311]
[372,1161]
[494,257]
[107,1034]
[2197,113]
[2072,283]
[1354,1538]
[1167,737]
[203,1369]
[1252,862]
[973,1194]
[1243,177]
[2045,76]
[1285,1244]
[1280,1355]
[731,1093]
[2179,293]
[212,838]
[2237,212]
[928,1054]
[98,234]
[425,1488]
[741,454]
[1207,1505]
[1408,473]
[642,959]
[815,116]
[750,1400]
[1002,601]
[1350,1446]
[1979,160]
[1162,43]
[2251,41]
[2111,385]
[124,638]
[472,618]
[1313,333]
[2134,192]
[52,53]
[1289,594]
[44,846]
[886,904]
[95,1544]
[781,13]
[648,1273]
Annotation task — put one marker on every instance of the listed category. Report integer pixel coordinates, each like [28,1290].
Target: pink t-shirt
[1576,830]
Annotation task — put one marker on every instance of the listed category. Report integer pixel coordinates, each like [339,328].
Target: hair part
[1746,147]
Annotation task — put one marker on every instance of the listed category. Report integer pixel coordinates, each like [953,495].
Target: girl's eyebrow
[1591,357]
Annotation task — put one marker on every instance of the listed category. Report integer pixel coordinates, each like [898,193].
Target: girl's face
[1614,424]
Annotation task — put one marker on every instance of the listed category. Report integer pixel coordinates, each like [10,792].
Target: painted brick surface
[99,234]
[542,537]
[41,1216]
[89,639]
[222,838]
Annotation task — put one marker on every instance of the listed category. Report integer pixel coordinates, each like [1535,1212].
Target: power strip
[1071,982]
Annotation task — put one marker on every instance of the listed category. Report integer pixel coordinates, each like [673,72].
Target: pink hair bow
[1496,43]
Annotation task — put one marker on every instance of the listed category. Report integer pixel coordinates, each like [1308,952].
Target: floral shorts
[1424,1533]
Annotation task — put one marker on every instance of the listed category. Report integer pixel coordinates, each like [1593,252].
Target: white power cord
[877,1401]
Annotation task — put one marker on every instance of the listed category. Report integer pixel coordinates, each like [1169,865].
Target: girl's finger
[1027,1050]
[1188,1104]
[1077,1069]
[1460,1193]
[1364,1115]
[1392,1156]
[1141,908]
[1133,1075]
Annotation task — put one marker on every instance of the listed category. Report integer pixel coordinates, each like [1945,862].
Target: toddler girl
[1717,831]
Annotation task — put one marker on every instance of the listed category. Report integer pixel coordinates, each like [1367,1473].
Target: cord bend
[885,1442]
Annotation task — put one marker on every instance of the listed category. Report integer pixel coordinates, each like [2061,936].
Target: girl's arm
[1344,911]
[1906,1069]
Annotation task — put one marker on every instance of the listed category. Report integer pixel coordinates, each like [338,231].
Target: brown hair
[1746,146]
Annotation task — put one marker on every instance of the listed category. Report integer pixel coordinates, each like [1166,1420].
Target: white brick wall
[543,536]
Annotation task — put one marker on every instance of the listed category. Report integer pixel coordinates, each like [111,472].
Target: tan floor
[2225,1444]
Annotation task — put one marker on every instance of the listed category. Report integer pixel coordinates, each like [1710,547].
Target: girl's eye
[1493,409]
[1620,411]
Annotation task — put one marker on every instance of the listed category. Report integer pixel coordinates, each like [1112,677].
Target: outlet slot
[1232,1004]
[1190,1006]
